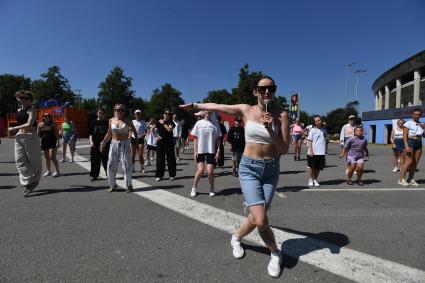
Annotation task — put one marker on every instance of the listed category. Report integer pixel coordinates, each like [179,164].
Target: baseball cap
[137,111]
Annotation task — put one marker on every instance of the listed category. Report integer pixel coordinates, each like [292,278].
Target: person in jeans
[119,130]
[236,139]
[49,143]
[165,147]
[27,143]
[413,131]
[68,132]
[97,131]
[259,168]
[206,137]
[316,151]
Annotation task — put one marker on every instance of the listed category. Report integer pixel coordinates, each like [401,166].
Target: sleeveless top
[122,130]
[47,131]
[256,133]
[398,134]
[67,128]
[297,129]
[22,117]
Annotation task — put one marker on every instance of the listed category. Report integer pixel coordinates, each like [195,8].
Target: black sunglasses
[263,88]
[24,98]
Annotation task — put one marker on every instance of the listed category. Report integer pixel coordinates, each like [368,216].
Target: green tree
[243,92]
[219,96]
[90,105]
[337,118]
[52,85]
[168,98]
[143,105]
[116,88]
[9,84]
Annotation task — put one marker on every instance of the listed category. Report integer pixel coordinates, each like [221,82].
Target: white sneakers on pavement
[403,182]
[212,192]
[395,169]
[316,184]
[275,265]
[48,173]
[238,251]
[158,179]
[193,192]
[413,183]
[310,183]
[55,174]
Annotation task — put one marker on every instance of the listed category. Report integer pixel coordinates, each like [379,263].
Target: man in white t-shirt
[316,151]
[206,136]
[138,143]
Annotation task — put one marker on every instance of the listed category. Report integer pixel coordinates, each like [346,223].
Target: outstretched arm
[234,109]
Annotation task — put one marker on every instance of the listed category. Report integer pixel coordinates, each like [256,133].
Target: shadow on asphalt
[75,174]
[369,171]
[292,189]
[230,191]
[291,172]
[7,161]
[295,248]
[75,189]
[7,187]
[9,174]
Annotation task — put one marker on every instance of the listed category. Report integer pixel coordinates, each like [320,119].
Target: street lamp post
[346,79]
[79,97]
[358,72]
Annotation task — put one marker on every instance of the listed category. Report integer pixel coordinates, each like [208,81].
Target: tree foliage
[52,85]
[9,84]
[116,88]
[219,96]
[166,98]
[337,118]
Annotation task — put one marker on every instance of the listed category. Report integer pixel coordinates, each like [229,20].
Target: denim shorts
[415,144]
[399,145]
[69,138]
[258,180]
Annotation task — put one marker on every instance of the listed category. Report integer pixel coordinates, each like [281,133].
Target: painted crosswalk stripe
[345,262]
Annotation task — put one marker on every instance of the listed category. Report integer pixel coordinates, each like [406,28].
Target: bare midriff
[260,151]
[31,130]
[116,137]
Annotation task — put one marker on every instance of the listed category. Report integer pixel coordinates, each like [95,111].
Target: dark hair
[417,110]
[101,109]
[255,84]
[315,116]
[238,119]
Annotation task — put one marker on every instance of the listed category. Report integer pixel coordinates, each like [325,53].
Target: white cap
[138,111]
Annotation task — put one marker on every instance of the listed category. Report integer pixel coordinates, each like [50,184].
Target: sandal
[360,182]
[349,182]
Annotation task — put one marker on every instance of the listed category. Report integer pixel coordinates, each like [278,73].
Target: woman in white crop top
[267,137]
[413,132]
[397,144]
[119,131]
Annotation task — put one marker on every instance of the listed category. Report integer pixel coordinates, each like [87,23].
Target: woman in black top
[27,143]
[97,132]
[49,143]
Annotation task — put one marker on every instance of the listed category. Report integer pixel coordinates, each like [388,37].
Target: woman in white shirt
[206,136]
[413,132]
[397,144]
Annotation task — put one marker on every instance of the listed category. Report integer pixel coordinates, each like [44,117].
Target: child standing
[355,149]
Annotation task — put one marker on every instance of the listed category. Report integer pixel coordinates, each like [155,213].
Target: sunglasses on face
[263,88]
[24,98]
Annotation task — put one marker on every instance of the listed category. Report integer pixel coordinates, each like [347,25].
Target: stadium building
[397,92]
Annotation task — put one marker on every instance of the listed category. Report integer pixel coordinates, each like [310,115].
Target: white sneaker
[55,174]
[413,183]
[62,161]
[238,251]
[403,182]
[48,173]
[193,192]
[212,192]
[177,159]
[172,178]
[395,169]
[158,179]
[316,184]
[143,171]
[310,182]
[274,268]
[71,161]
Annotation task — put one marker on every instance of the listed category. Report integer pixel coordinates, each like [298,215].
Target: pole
[357,87]
[298,106]
[346,79]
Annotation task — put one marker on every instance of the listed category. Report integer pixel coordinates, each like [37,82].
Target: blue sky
[199,45]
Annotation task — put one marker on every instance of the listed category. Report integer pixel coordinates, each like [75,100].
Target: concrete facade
[396,93]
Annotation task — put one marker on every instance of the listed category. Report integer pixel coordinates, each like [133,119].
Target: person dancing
[97,131]
[397,144]
[49,143]
[27,143]
[141,128]
[68,132]
[412,135]
[119,131]
[267,137]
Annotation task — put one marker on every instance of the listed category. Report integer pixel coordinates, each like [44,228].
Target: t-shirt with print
[414,128]
[206,132]
[318,140]
[355,147]
[236,138]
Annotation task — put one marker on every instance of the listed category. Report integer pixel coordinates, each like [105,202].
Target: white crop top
[123,130]
[256,133]
[398,134]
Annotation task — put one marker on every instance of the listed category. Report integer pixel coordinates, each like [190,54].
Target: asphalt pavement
[72,230]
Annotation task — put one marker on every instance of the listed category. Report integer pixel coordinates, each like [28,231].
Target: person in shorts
[316,151]
[236,139]
[297,138]
[49,143]
[355,149]
[68,132]
[206,137]
[138,143]
[397,144]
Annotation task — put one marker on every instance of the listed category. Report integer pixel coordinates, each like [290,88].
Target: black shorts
[316,162]
[151,147]
[133,141]
[48,143]
[208,156]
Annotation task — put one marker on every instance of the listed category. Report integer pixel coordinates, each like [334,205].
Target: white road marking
[352,190]
[345,262]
